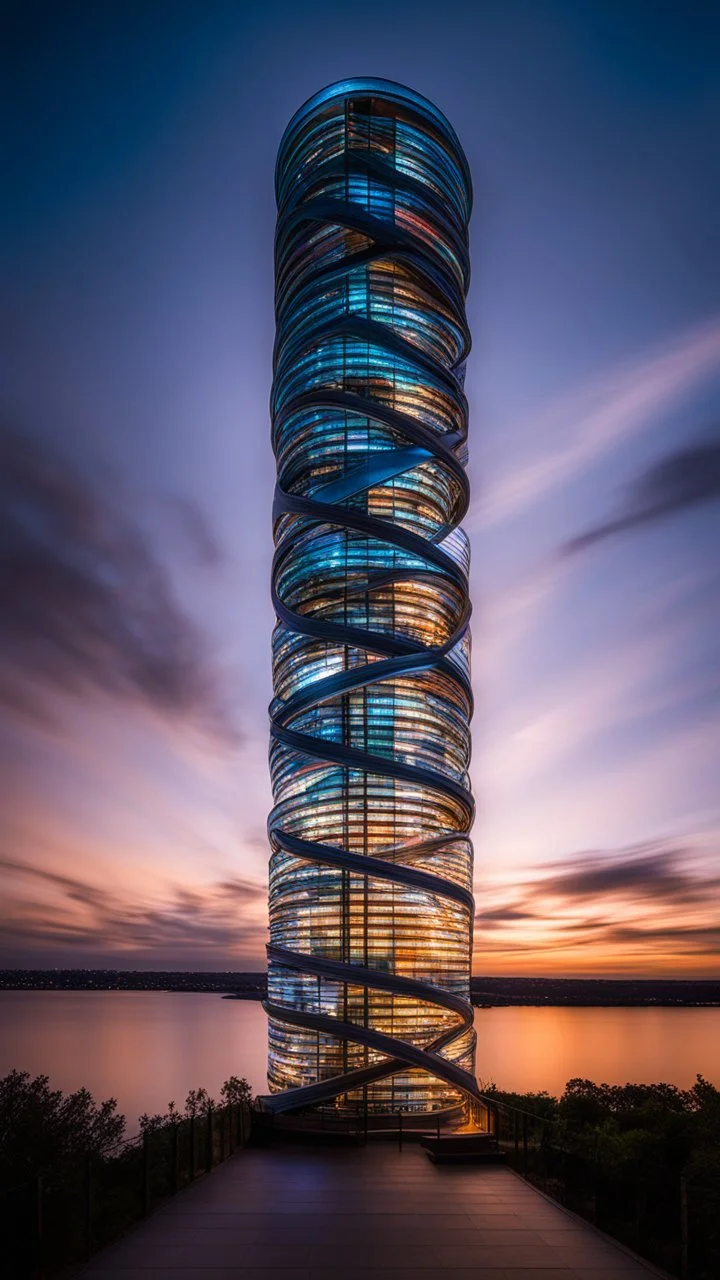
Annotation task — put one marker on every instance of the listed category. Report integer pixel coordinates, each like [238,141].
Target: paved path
[375,1213]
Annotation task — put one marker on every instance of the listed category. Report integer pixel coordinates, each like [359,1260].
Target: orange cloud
[644,910]
[53,918]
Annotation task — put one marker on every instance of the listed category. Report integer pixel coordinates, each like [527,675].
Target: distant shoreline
[485,992]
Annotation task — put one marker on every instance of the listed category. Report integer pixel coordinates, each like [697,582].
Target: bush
[42,1128]
[540,1104]
[621,1154]
[198,1102]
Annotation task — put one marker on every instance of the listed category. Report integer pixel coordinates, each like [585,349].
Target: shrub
[42,1128]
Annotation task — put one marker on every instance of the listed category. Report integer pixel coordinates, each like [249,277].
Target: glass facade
[371,906]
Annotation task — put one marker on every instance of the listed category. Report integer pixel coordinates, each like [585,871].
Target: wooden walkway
[316,1213]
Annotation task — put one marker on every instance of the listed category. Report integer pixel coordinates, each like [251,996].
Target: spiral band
[371,868]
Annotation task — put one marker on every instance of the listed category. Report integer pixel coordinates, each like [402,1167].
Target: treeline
[594,992]
[641,1160]
[224,982]
[70,1182]
[43,1131]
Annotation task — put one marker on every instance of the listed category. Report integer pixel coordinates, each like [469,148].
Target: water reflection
[141,1047]
[145,1047]
[535,1048]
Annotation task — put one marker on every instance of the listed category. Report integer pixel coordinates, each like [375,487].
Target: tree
[197,1103]
[236,1089]
[42,1128]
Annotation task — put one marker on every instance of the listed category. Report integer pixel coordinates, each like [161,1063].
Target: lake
[146,1047]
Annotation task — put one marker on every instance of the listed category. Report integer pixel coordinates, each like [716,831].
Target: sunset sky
[136,478]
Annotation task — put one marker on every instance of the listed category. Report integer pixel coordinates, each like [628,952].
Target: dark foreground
[588,992]
[373,1213]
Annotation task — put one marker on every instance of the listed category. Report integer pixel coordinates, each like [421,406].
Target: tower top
[388,91]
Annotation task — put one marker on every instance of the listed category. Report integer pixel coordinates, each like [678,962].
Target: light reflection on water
[146,1047]
[541,1048]
[141,1047]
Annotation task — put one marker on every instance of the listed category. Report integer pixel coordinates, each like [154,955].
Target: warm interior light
[370,880]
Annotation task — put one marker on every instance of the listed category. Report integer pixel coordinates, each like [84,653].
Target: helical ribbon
[370,888]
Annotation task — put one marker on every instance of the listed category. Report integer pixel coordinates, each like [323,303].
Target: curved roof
[390,90]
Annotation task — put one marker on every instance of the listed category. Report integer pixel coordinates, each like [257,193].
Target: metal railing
[54,1223]
[364,1124]
[666,1216]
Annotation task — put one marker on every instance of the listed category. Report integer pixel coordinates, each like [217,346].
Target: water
[527,1049]
[146,1047]
[141,1047]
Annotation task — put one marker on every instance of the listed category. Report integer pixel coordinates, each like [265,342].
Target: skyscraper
[371,867]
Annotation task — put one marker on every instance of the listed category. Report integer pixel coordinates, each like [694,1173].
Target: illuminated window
[371,865]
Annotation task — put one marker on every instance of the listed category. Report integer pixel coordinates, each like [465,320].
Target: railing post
[192,1148]
[684,1250]
[516,1135]
[39,1212]
[146,1173]
[210,1138]
[88,1206]
[399,1130]
[525,1144]
[437,1124]
[175,1158]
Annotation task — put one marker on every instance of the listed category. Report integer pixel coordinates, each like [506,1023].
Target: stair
[456,1148]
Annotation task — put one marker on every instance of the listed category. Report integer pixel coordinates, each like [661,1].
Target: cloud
[655,870]
[54,917]
[587,424]
[611,708]
[501,915]
[195,530]
[687,938]
[644,909]
[686,478]
[567,438]
[86,605]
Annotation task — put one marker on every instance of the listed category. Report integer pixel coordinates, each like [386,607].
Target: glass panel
[371,865]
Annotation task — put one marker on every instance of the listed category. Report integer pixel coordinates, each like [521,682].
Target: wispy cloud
[54,917]
[641,909]
[607,693]
[86,604]
[586,425]
[195,530]
[686,478]
[655,870]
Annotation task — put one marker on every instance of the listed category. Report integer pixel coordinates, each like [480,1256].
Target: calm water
[145,1047]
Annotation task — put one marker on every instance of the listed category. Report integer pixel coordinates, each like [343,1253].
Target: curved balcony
[370,881]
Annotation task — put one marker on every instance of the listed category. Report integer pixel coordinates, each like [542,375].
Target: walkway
[375,1213]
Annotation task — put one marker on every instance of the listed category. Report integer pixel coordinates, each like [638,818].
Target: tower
[371,902]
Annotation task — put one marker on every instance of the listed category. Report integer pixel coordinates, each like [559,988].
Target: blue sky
[134,657]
